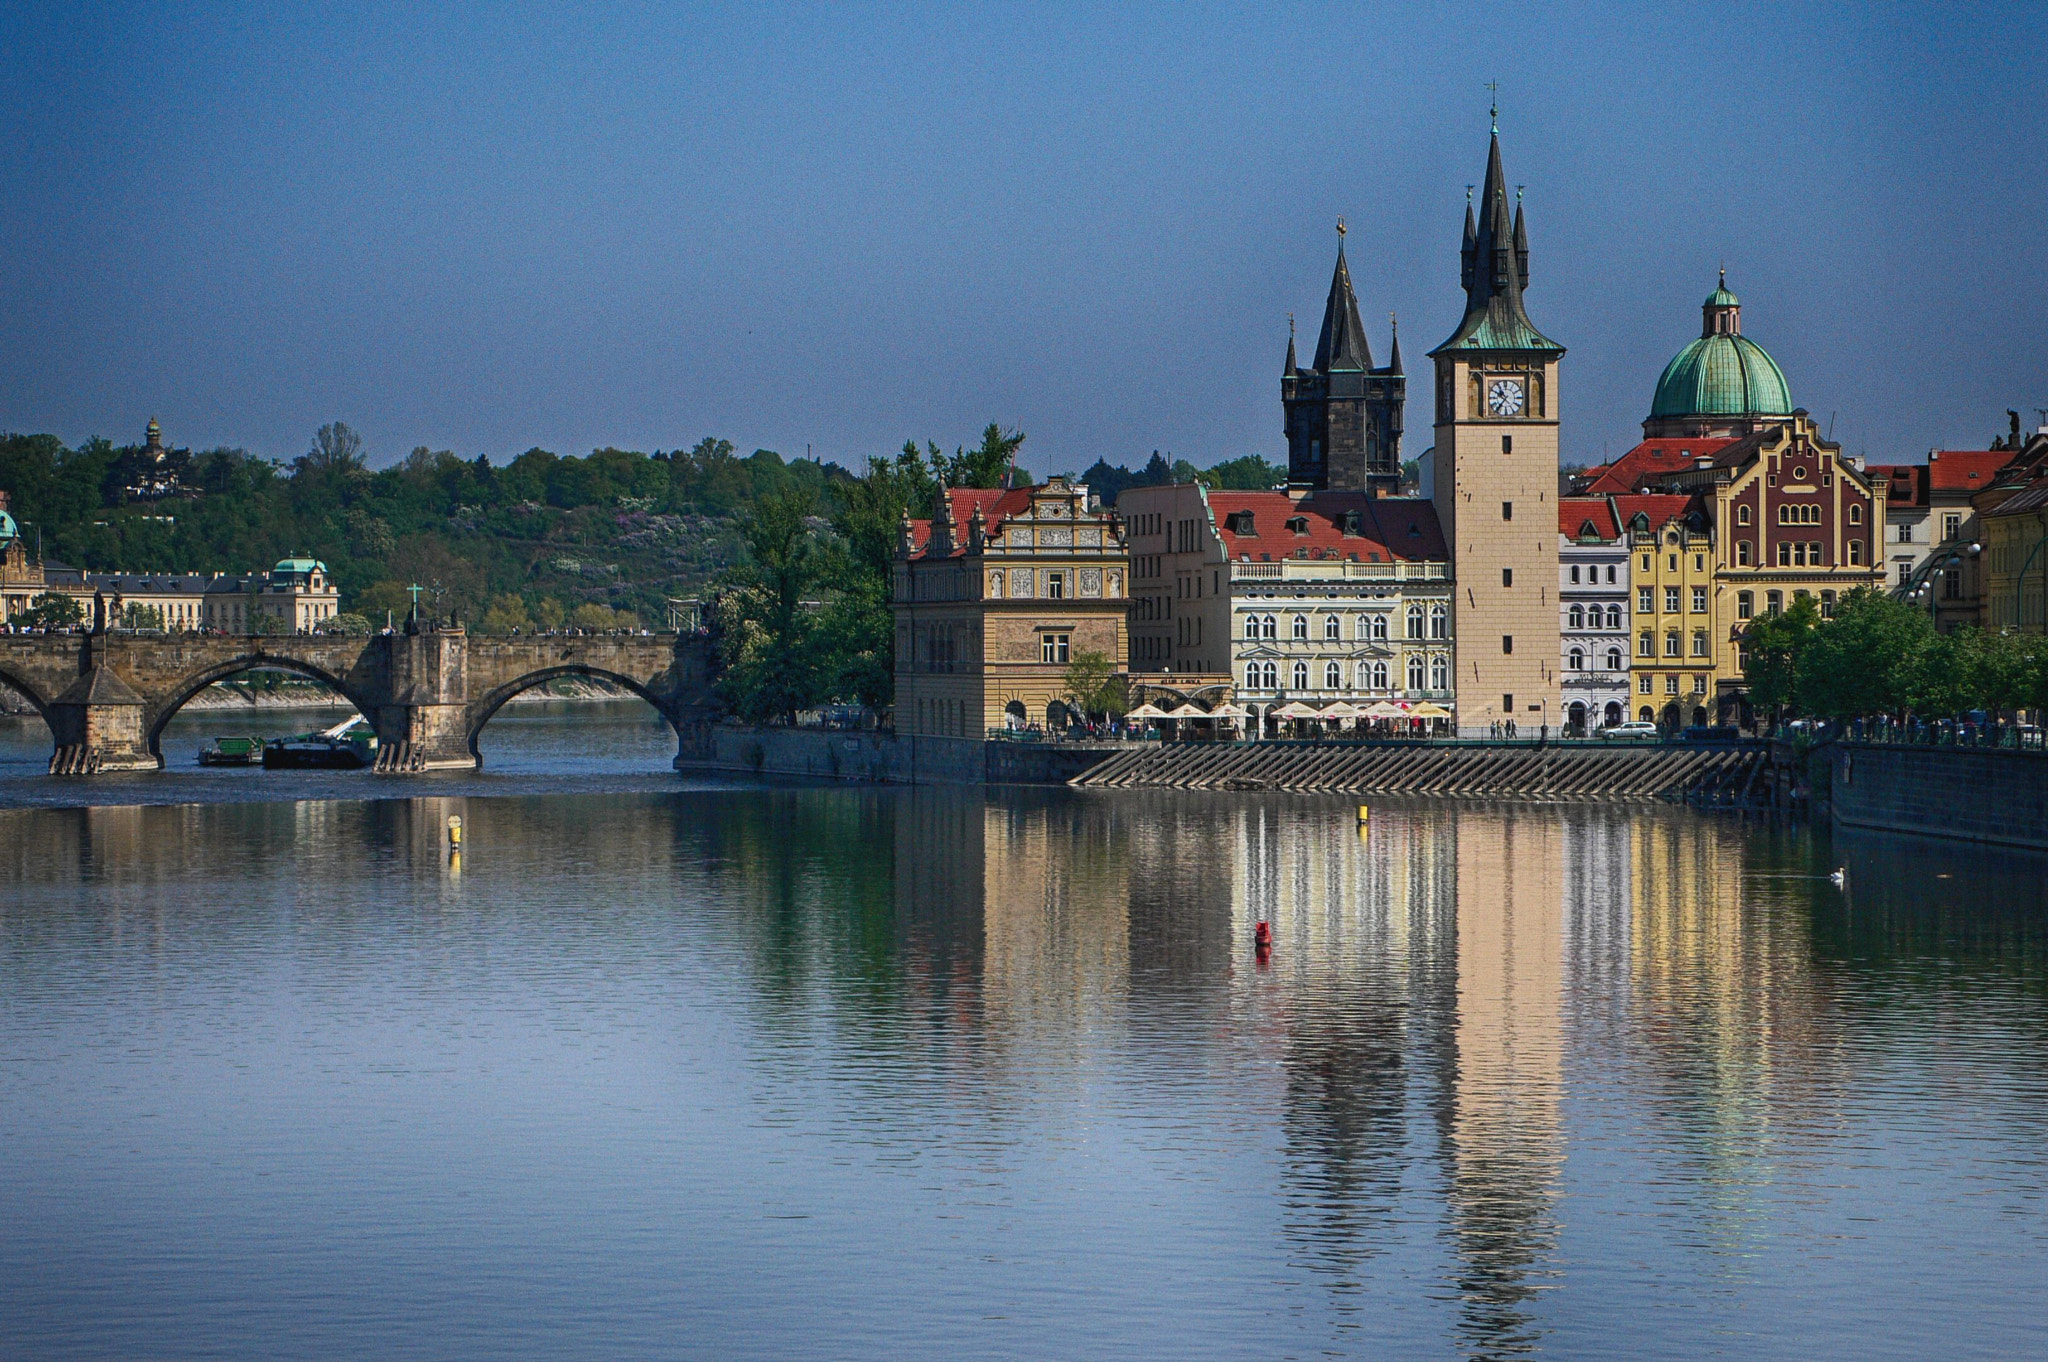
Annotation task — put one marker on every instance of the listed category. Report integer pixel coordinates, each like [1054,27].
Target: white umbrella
[1146,712]
[1185,710]
[1343,709]
[1383,710]
[1227,711]
[1295,709]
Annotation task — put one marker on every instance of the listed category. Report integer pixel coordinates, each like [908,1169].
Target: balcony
[1338,570]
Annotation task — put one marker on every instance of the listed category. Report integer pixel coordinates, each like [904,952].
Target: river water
[671,1067]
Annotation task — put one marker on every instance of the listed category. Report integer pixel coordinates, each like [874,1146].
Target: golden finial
[1340,228]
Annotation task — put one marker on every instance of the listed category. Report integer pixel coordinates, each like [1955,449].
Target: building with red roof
[1594,612]
[995,596]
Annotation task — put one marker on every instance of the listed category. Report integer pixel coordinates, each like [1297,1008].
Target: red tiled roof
[997,505]
[1906,483]
[1651,458]
[1391,529]
[1964,470]
[1574,512]
[1661,507]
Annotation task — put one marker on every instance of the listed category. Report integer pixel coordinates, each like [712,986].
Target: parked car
[1634,730]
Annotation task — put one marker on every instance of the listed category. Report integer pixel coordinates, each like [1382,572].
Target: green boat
[232,751]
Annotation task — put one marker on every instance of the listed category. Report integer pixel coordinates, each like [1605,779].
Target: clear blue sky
[489,227]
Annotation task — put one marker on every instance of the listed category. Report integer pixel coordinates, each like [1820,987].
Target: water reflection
[1514,1080]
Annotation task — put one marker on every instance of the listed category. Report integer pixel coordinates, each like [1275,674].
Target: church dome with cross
[1722,383]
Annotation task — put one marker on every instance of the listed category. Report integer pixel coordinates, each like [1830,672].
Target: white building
[1593,606]
[1289,596]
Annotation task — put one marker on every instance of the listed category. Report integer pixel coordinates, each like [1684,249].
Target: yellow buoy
[1364,813]
[454,830]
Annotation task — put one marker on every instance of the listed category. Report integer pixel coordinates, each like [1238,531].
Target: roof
[1574,514]
[1391,529]
[1965,470]
[1496,271]
[1342,344]
[1722,375]
[1906,484]
[997,504]
[299,565]
[1651,458]
[2028,500]
[162,583]
[7,527]
[1661,507]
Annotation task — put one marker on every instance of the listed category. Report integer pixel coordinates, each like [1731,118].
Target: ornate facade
[1343,415]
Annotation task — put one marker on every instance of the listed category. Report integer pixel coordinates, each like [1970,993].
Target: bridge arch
[186,687]
[481,711]
[27,692]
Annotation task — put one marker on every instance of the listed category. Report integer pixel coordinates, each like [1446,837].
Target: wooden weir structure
[1726,775]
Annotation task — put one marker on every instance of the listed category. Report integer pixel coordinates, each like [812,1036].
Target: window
[1856,553]
[1905,531]
[1742,515]
[1646,562]
[1610,574]
[1827,605]
[1646,599]
[1646,644]
[1301,676]
[1415,621]
[1055,586]
[1670,600]
[1855,515]
[1415,673]
[1379,676]
[1745,604]
[1507,643]
[1951,524]
[1575,574]
[1774,602]
[1332,629]
[1742,553]
[1699,683]
[1054,647]
[1440,673]
[1576,659]
[1507,510]
[1699,600]
[1671,562]
[1671,684]
[1699,643]
[1784,553]
[1251,626]
[1298,524]
[1699,562]
[1673,644]
[1507,704]
[1614,659]
[1379,625]
[1507,577]
[1268,627]
[1614,617]
[1301,627]
[1577,618]
[1643,688]
[1333,676]
[1439,622]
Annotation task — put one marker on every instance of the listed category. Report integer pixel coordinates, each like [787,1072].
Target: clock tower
[1494,471]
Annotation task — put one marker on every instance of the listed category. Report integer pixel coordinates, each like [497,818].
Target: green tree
[548,613]
[347,623]
[988,464]
[51,611]
[1775,643]
[1866,660]
[1249,474]
[1093,686]
[506,614]
[139,616]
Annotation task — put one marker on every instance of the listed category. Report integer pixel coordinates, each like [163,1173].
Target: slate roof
[1391,529]
[2029,499]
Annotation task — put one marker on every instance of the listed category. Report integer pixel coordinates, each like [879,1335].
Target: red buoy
[1262,937]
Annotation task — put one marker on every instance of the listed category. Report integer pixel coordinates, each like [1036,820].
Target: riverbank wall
[1989,795]
[885,758]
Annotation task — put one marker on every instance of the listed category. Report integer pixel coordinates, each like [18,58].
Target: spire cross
[1290,326]
[415,590]
[1493,111]
[1518,192]
[1340,231]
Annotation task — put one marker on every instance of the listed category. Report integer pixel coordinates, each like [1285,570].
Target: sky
[485,228]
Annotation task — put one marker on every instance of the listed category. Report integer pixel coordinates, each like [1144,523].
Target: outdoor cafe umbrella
[1146,711]
[1384,710]
[1186,710]
[1295,709]
[1343,709]
[1429,711]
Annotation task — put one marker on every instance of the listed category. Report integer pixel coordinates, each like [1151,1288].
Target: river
[661,1066]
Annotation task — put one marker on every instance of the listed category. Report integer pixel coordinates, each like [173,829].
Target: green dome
[1722,375]
[7,529]
[1721,297]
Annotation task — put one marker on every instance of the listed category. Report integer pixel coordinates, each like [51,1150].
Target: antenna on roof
[1831,427]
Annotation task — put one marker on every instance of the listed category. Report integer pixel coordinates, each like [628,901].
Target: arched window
[1333,676]
[1271,680]
[1742,552]
[1614,617]
[1742,515]
[1251,626]
[1379,676]
[1576,659]
[1673,646]
[1332,628]
[1855,515]
[1301,676]
[1301,626]
[1379,625]
[1578,617]
[1440,672]
[1414,673]
[1267,627]
[1415,621]
[1614,659]
[1439,622]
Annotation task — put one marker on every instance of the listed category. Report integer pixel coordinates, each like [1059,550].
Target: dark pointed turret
[1343,414]
[1394,363]
[1342,344]
[1494,270]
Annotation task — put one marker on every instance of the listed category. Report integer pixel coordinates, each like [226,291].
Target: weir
[428,691]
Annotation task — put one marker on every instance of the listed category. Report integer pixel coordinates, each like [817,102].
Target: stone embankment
[1706,775]
[1988,795]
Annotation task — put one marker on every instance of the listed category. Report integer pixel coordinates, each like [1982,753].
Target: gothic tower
[1343,415]
[1494,476]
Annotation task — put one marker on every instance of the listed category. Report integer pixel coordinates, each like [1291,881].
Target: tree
[1866,660]
[336,450]
[139,616]
[548,613]
[1093,685]
[346,623]
[506,615]
[987,465]
[51,611]
[597,617]
[1249,474]
[1774,645]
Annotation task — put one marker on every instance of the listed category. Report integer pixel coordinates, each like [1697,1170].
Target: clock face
[1504,397]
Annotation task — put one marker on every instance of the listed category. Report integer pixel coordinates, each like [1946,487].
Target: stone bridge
[107,695]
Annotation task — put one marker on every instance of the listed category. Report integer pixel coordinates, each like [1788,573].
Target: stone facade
[994,596]
[1594,607]
[1343,416]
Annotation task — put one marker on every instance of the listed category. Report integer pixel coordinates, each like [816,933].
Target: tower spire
[1495,268]
[1291,366]
[1342,344]
[1394,324]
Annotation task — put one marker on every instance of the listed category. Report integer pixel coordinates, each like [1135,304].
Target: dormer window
[1297,524]
[1349,523]
[1240,522]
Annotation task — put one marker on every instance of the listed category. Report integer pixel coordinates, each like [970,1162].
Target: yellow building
[1673,669]
[2016,561]
[995,596]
